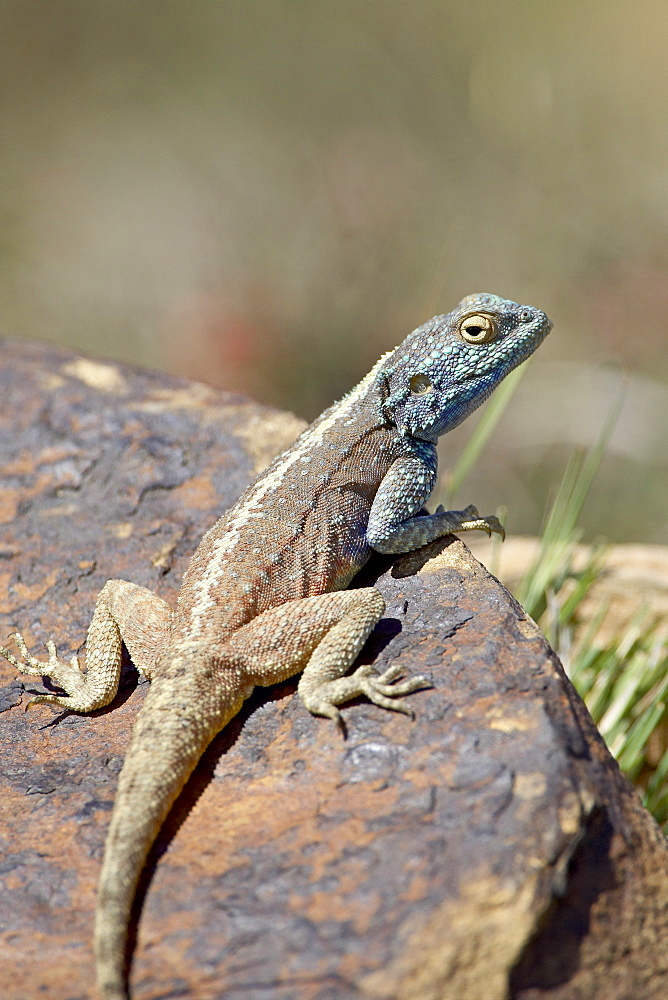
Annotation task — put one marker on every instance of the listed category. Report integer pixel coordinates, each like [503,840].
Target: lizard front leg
[322,636]
[123,612]
[393,526]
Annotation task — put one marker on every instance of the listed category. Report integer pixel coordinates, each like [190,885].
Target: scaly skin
[264,595]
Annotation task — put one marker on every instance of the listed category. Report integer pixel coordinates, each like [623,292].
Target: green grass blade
[481,434]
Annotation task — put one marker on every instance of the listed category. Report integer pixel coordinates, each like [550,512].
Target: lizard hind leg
[124,612]
[322,636]
[325,683]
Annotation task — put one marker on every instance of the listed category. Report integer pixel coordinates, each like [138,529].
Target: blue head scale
[450,365]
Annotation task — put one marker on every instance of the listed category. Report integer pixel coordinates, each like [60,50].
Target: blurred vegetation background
[267,195]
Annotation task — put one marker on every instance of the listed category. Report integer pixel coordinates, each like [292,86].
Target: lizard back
[299,529]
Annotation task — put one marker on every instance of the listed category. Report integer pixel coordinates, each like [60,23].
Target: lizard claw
[470,520]
[387,689]
[490,524]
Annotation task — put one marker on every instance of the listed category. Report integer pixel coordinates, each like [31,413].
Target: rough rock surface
[488,849]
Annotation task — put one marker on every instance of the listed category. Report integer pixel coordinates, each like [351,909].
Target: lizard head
[450,365]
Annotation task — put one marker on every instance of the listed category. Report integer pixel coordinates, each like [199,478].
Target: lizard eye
[478,329]
[420,384]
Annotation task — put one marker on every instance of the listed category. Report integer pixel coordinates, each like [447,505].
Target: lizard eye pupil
[478,329]
[420,384]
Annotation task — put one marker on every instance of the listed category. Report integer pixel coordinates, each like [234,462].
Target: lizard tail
[183,711]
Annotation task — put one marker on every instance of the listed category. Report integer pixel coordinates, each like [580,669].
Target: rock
[488,849]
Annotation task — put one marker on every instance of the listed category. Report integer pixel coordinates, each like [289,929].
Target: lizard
[265,594]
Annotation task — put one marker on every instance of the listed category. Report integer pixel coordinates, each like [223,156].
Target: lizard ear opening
[420,384]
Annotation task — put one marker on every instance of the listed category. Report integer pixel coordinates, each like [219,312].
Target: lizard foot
[385,690]
[470,520]
[67,676]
